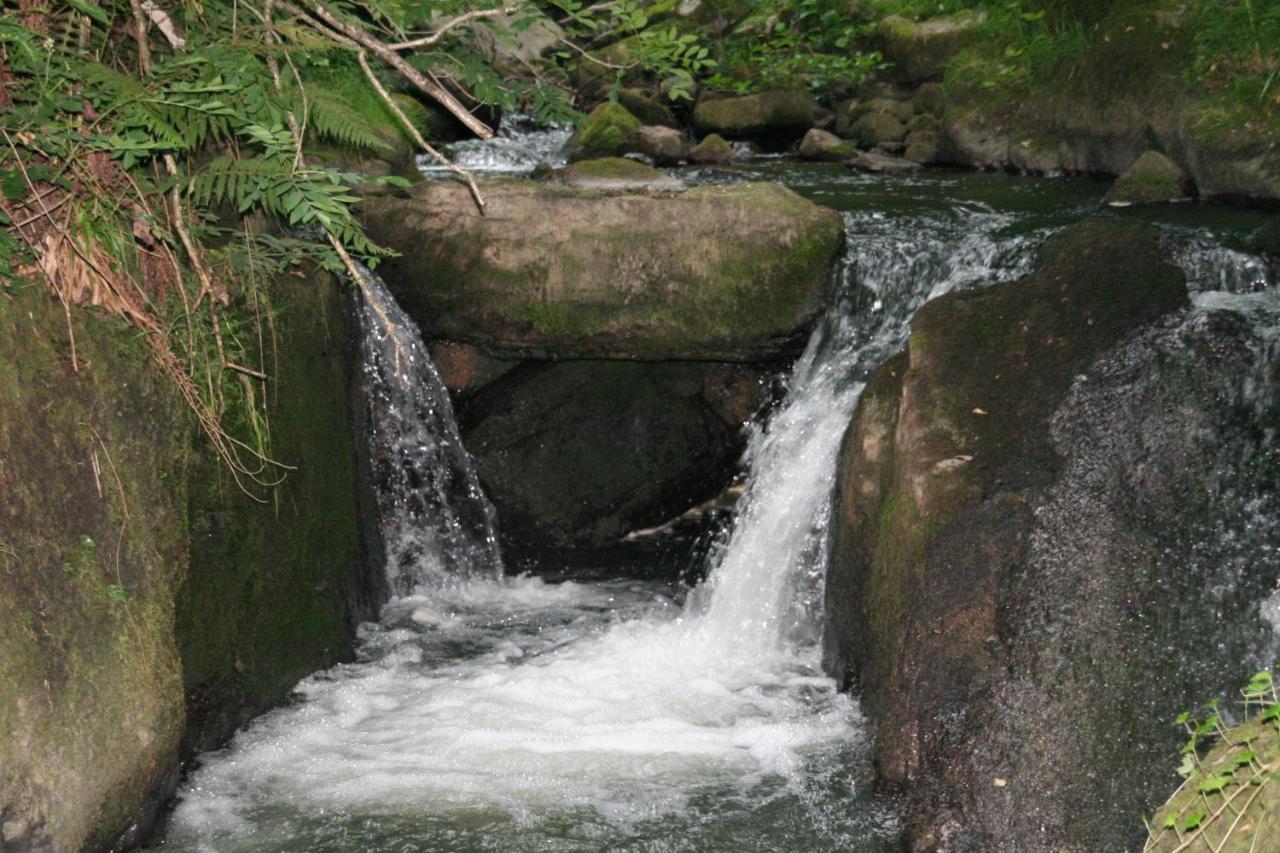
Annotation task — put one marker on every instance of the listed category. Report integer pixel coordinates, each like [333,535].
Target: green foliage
[1236,58]
[138,181]
[663,51]
[810,44]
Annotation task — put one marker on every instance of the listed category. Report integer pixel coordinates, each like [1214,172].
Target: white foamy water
[517,714]
[518,147]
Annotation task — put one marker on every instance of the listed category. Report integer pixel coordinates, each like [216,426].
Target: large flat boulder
[780,116]
[1045,505]
[920,51]
[735,273]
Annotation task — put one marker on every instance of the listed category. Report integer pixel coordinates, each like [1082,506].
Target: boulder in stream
[1035,500]
[1153,178]
[732,273]
[603,133]
[767,115]
[579,453]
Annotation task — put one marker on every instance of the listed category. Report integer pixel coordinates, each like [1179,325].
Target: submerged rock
[734,273]
[603,133]
[614,173]
[771,115]
[578,454]
[823,145]
[874,161]
[921,51]
[1152,179]
[1027,525]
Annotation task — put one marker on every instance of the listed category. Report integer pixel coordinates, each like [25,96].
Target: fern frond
[332,118]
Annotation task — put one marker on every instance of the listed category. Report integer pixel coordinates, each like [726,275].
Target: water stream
[517,714]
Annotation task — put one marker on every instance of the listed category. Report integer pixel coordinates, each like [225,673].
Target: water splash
[519,147]
[437,525]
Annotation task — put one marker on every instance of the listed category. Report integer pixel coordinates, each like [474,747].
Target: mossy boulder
[1024,539]
[577,454]
[603,133]
[614,173]
[93,544]
[275,590]
[734,273]
[920,52]
[776,116]
[924,123]
[647,108]
[823,145]
[1152,179]
[922,147]
[875,129]
[930,99]
[713,150]
[900,110]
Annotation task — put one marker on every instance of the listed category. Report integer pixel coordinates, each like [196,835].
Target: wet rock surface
[1025,540]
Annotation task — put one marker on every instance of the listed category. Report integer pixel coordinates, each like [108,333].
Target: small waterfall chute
[437,525]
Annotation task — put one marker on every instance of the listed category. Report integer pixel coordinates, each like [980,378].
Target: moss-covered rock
[614,173]
[580,453]
[603,133]
[132,571]
[921,51]
[1153,178]
[900,110]
[275,590]
[922,147]
[930,99]
[777,116]
[876,129]
[713,150]
[93,543]
[924,123]
[648,109]
[823,145]
[723,273]
[1016,529]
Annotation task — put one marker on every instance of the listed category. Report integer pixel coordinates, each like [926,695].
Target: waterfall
[437,524]
[764,591]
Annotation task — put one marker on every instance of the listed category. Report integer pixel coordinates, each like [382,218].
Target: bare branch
[430,87]
[453,23]
[417,137]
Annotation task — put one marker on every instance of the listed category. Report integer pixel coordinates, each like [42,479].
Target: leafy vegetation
[1210,811]
[152,156]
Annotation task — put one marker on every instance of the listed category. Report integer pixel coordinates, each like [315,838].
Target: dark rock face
[578,454]
[1024,537]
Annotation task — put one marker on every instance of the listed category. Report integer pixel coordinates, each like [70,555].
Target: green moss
[273,590]
[93,543]
[603,133]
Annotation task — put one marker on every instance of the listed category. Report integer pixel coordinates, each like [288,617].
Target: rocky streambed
[1006,453]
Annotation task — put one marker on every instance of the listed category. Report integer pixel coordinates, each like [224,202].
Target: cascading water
[516,714]
[437,525]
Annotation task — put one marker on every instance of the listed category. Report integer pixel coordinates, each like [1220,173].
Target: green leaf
[90,9]
[1194,819]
